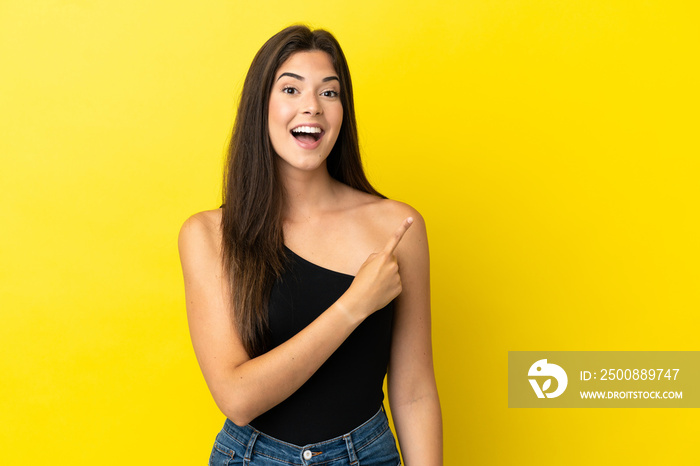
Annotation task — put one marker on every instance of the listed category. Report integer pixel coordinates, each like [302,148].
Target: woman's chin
[303,164]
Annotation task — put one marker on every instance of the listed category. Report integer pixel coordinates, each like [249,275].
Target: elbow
[235,401]
[239,419]
[236,412]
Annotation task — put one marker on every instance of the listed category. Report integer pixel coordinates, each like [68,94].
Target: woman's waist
[265,442]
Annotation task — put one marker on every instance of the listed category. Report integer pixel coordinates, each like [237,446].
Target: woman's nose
[310,104]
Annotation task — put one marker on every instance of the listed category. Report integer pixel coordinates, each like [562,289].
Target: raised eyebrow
[301,78]
[292,75]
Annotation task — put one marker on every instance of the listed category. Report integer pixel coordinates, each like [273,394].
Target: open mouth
[307,134]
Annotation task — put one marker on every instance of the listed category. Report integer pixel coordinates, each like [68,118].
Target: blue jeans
[371,444]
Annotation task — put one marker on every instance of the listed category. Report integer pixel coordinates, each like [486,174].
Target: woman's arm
[413,396]
[244,388]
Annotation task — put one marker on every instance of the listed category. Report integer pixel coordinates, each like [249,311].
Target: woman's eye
[289,90]
[329,94]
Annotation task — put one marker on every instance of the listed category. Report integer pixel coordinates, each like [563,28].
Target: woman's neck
[308,193]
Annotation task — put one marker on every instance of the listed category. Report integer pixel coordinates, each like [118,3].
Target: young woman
[308,284]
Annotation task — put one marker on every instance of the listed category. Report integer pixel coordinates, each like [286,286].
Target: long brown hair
[253,195]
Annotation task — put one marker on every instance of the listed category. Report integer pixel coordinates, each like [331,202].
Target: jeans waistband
[259,443]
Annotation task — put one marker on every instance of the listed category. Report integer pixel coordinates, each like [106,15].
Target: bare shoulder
[390,213]
[201,233]
[209,220]
[396,210]
[380,218]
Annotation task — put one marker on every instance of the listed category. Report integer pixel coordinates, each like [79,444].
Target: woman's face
[305,112]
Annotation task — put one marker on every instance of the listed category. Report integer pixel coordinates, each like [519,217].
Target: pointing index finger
[398,234]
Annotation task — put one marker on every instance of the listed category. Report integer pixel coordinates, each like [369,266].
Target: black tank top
[347,389]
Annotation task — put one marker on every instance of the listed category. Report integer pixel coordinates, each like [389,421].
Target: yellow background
[551,146]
